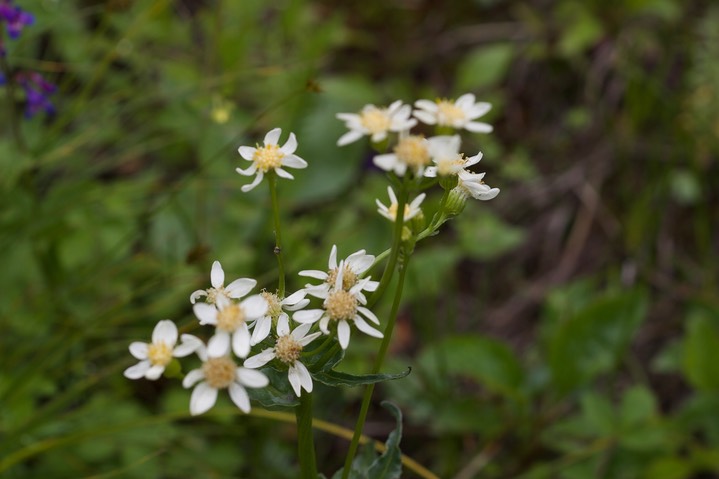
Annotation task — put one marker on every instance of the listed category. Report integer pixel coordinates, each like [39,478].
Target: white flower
[287,349]
[355,265]
[410,210]
[221,373]
[230,320]
[411,152]
[376,122]
[471,184]
[447,160]
[235,290]
[456,114]
[270,157]
[275,312]
[154,357]
[341,306]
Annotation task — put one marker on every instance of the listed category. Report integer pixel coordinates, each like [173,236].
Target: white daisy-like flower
[341,306]
[275,312]
[155,356]
[221,373]
[355,265]
[411,152]
[230,320]
[287,349]
[471,184]
[376,122]
[270,157]
[456,114]
[410,210]
[235,290]
[447,159]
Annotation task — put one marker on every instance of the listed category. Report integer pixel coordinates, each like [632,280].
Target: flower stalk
[272,182]
[305,440]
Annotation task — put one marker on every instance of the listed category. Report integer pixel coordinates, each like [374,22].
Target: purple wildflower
[14,18]
[37,93]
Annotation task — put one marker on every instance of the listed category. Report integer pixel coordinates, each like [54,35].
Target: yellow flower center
[230,318]
[159,354]
[219,372]
[341,305]
[274,308]
[392,210]
[450,166]
[213,293]
[268,157]
[448,113]
[375,120]
[412,150]
[287,349]
[349,278]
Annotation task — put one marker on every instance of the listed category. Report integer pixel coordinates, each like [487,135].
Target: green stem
[305,440]
[384,347]
[272,181]
[396,244]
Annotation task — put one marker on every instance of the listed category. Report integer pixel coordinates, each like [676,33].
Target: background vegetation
[568,329]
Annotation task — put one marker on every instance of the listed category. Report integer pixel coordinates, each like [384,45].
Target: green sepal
[173,369]
[336,378]
[278,393]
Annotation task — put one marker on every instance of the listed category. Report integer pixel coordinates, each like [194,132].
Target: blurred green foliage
[568,329]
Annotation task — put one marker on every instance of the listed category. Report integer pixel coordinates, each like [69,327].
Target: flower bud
[455,202]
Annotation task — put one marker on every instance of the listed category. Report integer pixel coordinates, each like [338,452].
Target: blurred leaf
[484,235]
[488,361]
[581,28]
[337,378]
[484,67]
[598,414]
[593,340]
[701,351]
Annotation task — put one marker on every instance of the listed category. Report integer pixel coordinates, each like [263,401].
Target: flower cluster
[242,321]
[433,157]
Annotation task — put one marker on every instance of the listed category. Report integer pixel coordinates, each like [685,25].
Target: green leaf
[337,378]
[593,340]
[489,362]
[599,414]
[483,235]
[389,464]
[701,352]
[484,67]
[278,393]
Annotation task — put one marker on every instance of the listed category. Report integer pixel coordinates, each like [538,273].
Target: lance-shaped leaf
[336,378]
[389,464]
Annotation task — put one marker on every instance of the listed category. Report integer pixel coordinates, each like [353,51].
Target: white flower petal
[138,370]
[294,298]
[368,314]
[241,341]
[251,378]
[154,372]
[139,349]
[284,174]
[313,273]
[283,327]
[239,397]
[477,127]
[165,331]
[206,313]
[294,377]
[248,171]
[349,137]
[272,137]
[309,338]
[261,331]
[197,295]
[290,145]
[240,287]
[425,117]
[305,377]
[332,263]
[294,161]
[308,315]
[343,333]
[189,345]
[192,377]
[298,333]
[387,162]
[254,306]
[259,360]
[217,275]
[219,344]
[202,399]
[364,326]
[247,152]
[254,183]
